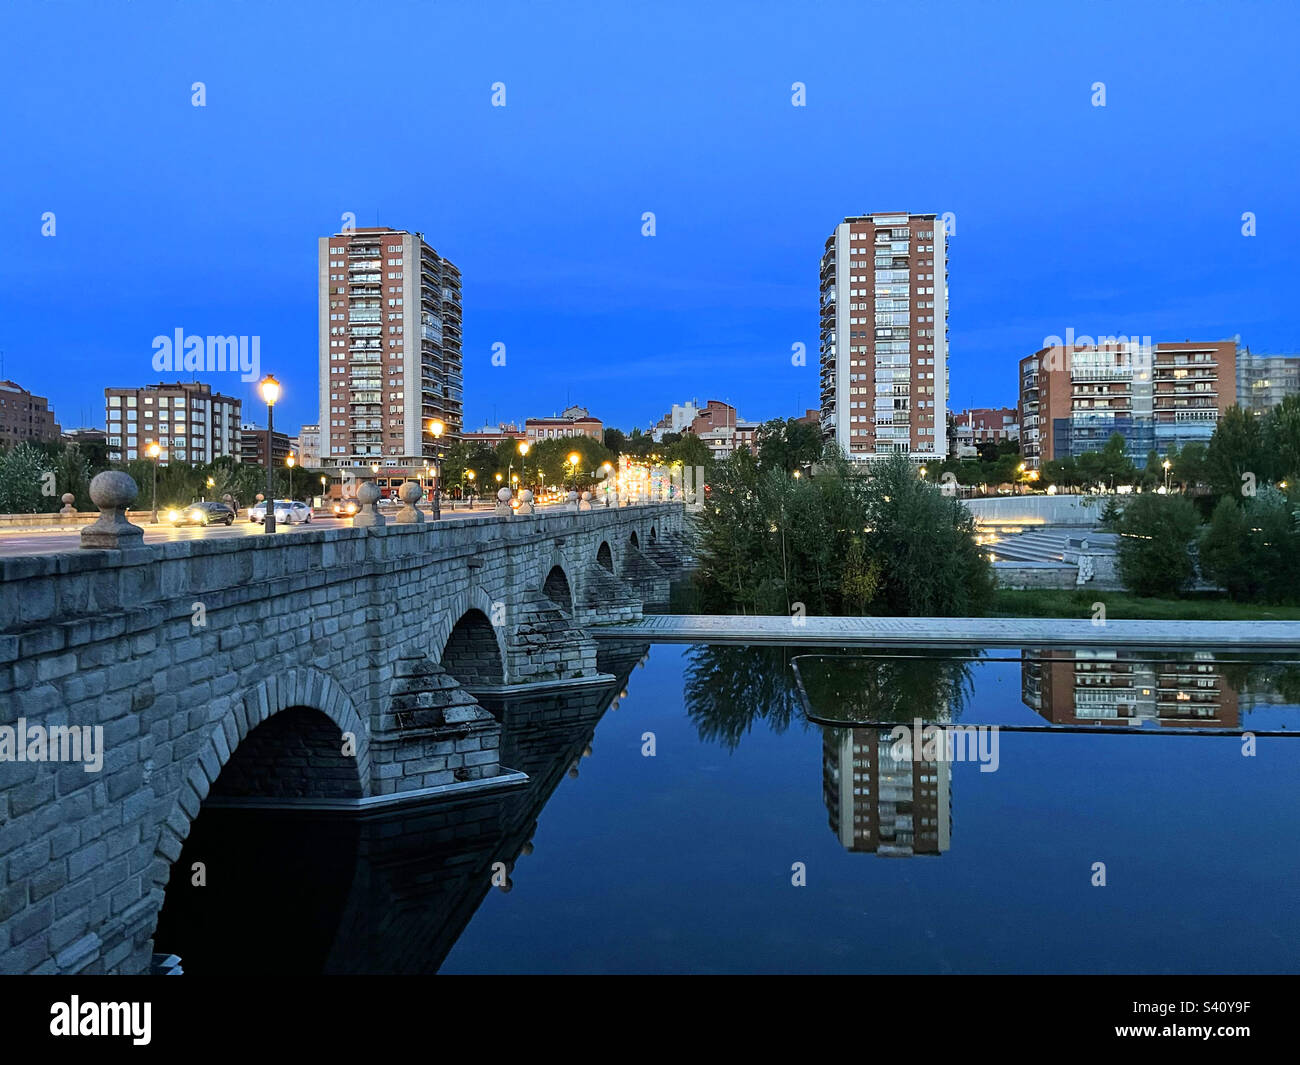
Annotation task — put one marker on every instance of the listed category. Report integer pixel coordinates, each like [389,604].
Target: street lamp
[291,462]
[324,480]
[153,451]
[1168,466]
[523,454]
[437,429]
[470,474]
[574,459]
[270,389]
[924,471]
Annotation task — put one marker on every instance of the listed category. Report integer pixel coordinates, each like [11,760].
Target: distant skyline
[1122,219]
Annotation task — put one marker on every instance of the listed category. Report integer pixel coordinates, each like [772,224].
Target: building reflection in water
[877,803]
[1112,687]
[388,892]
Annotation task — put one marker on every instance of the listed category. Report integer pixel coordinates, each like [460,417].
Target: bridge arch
[557,589]
[472,653]
[632,539]
[473,599]
[605,556]
[314,701]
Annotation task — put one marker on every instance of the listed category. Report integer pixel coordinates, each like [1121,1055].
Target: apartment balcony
[366,279]
[366,331]
[364,251]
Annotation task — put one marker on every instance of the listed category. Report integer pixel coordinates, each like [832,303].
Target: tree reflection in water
[729,688]
[861,688]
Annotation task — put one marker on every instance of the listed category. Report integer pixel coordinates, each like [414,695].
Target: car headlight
[173,516]
[196,515]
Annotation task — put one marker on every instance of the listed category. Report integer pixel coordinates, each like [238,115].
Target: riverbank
[1058,603]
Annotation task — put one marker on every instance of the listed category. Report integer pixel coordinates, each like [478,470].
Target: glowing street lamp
[270,390]
[574,459]
[291,462]
[1168,466]
[436,429]
[153,451]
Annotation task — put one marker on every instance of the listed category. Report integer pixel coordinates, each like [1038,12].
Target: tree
[1189,466]
[1281,437]
[1156,533]
[788,444]
[1236,449]
[22,480]
[1250,547]
[615,441]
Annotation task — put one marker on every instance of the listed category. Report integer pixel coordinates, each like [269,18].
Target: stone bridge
[331,668]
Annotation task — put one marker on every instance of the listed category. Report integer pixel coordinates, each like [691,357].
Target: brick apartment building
[572,421]
[884,336]
[389,348]
[24,416]
[190,422]
[1072,399]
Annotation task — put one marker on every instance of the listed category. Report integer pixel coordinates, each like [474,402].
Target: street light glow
[270,389]
[437,428]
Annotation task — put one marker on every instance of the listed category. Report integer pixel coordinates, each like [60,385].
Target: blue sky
[1118,220]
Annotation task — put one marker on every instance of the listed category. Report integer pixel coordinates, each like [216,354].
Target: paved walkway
[957,632]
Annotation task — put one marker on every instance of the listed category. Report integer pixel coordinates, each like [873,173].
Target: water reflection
[394,892]
[877,802]
[388,892]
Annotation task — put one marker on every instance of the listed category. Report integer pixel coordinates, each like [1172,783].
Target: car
[287,512]
[204,512]
[345,508]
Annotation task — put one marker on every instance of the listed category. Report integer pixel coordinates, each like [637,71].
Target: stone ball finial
[113,490]
[69,499]
[410,514]
[526,495]
[586,497]
[367,494]
[504,495]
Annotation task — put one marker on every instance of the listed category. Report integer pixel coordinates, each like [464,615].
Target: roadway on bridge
[956,632]
[38,540]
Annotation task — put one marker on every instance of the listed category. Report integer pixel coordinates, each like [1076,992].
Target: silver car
[287,512]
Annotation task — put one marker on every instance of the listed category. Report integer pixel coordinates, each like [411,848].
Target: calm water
[682,862]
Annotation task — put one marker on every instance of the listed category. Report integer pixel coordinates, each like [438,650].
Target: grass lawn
[1057,603]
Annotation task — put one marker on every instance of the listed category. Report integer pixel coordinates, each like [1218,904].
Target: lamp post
[291,461]
[153,451]
[437,429]
[212,483]
[324,480]
[523,454]
[270,389]
[470,474]
[574,459]
[1167,465]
